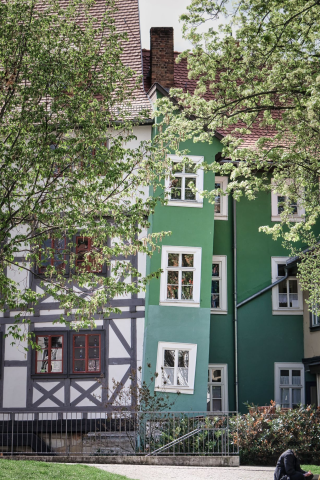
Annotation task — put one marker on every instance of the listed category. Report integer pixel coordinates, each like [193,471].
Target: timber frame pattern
[72,392]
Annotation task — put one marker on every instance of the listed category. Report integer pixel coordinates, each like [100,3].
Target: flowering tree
[72,174]
[258,88]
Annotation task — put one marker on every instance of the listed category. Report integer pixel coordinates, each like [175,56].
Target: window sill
[287,312]
[178,203]
[316,328]
[86,375]
[277,218]
[216,311]
[185,390]
[47,376]
[180,304]
[220,217]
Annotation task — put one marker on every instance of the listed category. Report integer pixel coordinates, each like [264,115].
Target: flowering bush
[264,433]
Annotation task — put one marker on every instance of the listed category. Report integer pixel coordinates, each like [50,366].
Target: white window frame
[223,309]
[223,384]
[287,366]
[275,216]
[197,252]
[276,310]
[159,381]
[198,202]
[223,215]
[314,318]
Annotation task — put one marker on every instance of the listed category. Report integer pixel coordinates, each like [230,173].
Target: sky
[163,13]
[166,13]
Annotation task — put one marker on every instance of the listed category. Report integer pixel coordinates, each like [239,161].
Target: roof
[127,20]
[181,80]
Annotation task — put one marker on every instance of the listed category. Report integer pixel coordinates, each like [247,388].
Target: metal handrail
[174,442]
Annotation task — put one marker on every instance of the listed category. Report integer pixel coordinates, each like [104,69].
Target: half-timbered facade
[77,370]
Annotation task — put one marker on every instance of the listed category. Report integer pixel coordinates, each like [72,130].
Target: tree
[70,179]
[258,85]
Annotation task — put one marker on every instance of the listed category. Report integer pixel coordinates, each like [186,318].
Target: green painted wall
[189,227]
[263,338]
[222,326]
[185,325]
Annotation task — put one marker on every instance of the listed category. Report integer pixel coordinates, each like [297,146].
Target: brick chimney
[162,56]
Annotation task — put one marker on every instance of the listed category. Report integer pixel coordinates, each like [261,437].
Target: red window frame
[79,262]
[42,269]
[86,356]
[94,150]
[49,372]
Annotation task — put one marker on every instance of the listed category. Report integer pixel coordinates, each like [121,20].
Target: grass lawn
[29,470]
[312,468]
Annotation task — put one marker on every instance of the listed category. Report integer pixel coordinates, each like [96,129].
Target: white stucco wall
[14,387]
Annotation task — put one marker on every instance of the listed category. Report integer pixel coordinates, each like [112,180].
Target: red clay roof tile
[181,80]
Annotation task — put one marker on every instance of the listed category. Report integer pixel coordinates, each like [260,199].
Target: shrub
[264,433]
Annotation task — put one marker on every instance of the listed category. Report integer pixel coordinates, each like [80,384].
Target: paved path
[151,472]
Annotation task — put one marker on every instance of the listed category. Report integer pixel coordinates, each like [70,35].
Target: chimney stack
[162,56]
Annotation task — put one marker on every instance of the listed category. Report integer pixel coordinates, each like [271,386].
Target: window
[180,280]
[186,178]
[219,285]
[86,353]
[49,358]
[278,202]
[56,168]
[176,364]
[289,384]
[53,254]
[84,246]
[99,152]
[217,397]
[68,354]
[314,318]
[287,295]
[221,201]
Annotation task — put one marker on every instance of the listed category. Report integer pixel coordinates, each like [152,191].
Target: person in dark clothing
[288,467]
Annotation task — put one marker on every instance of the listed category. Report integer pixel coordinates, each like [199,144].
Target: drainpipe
[234,212]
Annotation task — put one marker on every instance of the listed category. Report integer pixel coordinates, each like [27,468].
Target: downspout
[234,213]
